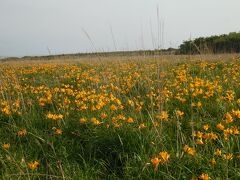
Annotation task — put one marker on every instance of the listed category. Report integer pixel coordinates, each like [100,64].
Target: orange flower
[199,141]
[218,152]
[212,162]
[117,125]
[211,136]
[164,156]
[142,126]
[113,107]
[206,127]
[199,104]
[6,146]
[220,126]
[236,113]
[54,117]
[95,121]
[155,162]
[235,130]
[179,114]
[204,176]
[22,133]
[82,120]
[33,165]
[163,116]
[189,150]
[57,131]
[130,120]
[228,156]
[228,118]
[103,115]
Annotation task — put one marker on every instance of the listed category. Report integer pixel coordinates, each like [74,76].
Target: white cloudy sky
[31,27]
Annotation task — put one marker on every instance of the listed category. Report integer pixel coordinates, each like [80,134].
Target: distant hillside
[168,51]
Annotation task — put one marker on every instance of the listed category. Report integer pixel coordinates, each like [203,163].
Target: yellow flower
[54,117]
[179,114]
[213,162]
[211,136]
[130,103]
[42,101]
[142,126]
[238,101]
[164,156]
[117,125]
[22,133]
[218,152]
[189,150]
[6,146]
[228,118]
[236,113]
[199,104]
[199,134]
[206,127]
[113,107]
[163,116]
[130,120]
[33,165]
[229,96]
[227,132]
[235,130]
[204,176]
[220,126]
[95,121]
[199,141]
[228,156]
[5,108]
[82,120]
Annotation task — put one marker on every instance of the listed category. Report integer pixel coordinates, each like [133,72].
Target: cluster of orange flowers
[161,158]
[54,117]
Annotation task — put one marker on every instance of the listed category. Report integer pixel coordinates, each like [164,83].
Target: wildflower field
[120,119]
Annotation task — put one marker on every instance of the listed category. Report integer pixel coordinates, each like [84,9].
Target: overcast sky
[37,27]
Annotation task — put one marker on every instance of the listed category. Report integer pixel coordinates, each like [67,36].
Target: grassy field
[121,118]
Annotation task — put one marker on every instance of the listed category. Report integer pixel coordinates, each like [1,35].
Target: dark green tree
[226,43]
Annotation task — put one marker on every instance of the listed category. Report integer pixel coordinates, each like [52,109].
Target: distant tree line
[226,43]
[169,51]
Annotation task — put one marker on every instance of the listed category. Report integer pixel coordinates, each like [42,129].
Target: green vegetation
[128,119]
[226,43]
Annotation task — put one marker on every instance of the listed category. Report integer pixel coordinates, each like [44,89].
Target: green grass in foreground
[120,120]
